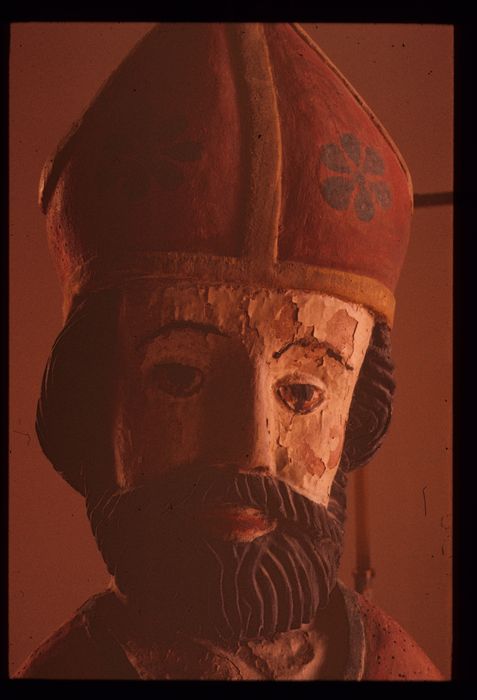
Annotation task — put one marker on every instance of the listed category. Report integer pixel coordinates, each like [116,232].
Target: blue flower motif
[358,167]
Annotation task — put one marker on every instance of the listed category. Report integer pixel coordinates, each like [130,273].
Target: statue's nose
[260,454]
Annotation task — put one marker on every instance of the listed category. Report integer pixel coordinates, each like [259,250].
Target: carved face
[230,419]
[226,375]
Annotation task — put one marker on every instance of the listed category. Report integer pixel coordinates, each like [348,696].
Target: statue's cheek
[309,450]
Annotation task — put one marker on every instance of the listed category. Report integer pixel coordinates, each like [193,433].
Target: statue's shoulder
[81,648]
[390,652]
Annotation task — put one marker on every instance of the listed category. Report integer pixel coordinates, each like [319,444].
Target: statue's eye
[177,379]
[300,398]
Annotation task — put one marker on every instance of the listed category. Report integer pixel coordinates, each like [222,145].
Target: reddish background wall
[404,72]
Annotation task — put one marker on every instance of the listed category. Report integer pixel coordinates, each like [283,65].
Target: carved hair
[74,416]
[371,407]
[369,415]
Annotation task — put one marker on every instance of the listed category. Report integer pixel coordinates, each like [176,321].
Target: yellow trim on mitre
[97,274]
[348,286]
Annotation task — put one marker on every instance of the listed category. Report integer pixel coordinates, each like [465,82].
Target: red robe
[86,648]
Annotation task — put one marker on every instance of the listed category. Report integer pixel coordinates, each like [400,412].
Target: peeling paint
[313,464]
[281,456]
[340,330]
[335,454]
[265,339]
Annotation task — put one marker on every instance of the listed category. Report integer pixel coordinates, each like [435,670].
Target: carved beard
[210,588]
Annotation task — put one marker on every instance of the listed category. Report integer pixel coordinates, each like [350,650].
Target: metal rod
[433,199]
[364,573]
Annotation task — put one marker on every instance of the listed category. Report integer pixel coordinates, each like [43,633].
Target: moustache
[176,497]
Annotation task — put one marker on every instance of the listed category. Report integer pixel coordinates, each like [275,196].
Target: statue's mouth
[234,523]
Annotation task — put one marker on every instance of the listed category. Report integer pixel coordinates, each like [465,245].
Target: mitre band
[94,276]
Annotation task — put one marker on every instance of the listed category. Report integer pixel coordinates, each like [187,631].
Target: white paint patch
[261,340]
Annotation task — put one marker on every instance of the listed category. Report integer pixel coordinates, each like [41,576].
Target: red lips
[235,523]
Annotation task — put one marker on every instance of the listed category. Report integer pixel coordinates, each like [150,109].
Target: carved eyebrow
[305,342]
[181,325]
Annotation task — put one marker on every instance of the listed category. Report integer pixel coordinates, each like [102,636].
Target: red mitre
[230,153]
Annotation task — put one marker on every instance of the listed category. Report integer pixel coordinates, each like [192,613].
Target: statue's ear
[371,407]
[74,410]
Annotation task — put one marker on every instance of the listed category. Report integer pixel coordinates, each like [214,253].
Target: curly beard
[205,586]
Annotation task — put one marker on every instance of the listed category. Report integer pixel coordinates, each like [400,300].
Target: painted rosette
[229,153]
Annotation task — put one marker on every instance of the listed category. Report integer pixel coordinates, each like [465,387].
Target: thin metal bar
[433,199]
[364,573]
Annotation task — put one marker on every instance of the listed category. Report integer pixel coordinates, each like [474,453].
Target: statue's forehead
[276,317]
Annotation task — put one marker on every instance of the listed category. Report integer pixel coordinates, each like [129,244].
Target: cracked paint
[341,329]
[314,465]
[242,345]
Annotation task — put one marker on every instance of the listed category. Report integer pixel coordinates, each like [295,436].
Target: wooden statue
[229,221]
